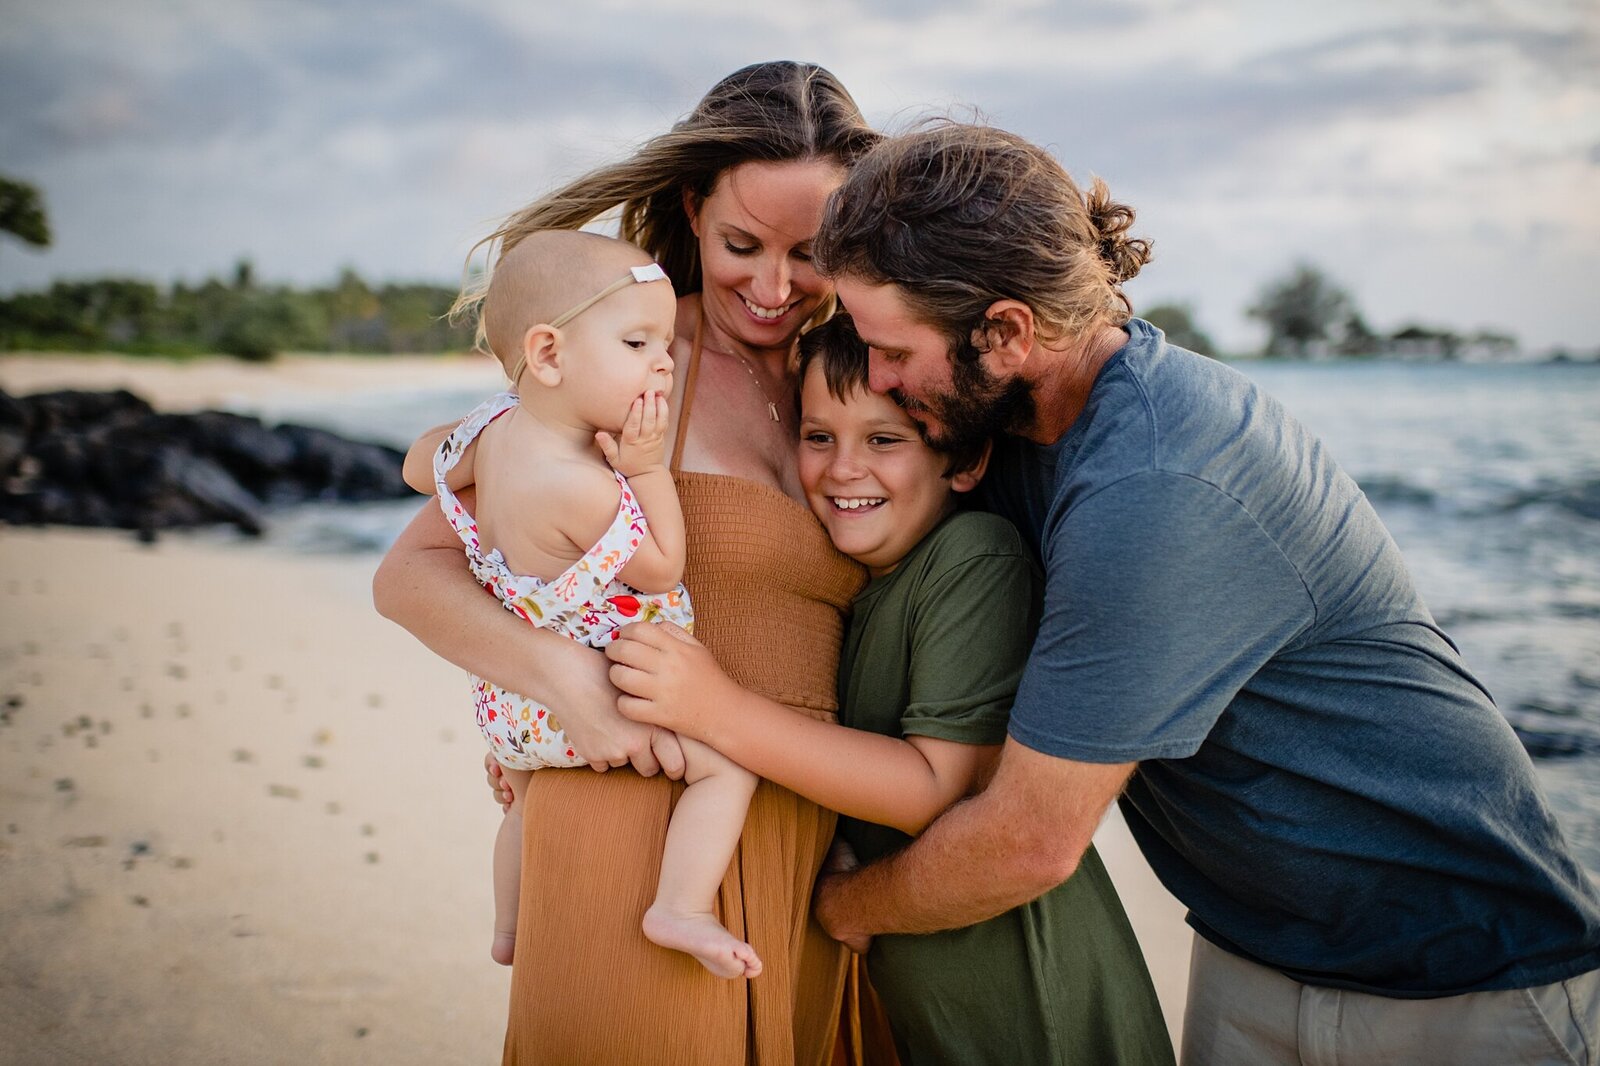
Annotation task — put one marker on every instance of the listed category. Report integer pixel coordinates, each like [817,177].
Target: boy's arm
[981,598]
[670,680]
[418,468]
[1020,837]
[638,455]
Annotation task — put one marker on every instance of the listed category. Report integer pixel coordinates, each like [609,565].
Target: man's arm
[1009,844]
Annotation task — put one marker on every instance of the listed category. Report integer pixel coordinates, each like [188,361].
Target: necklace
[772,408]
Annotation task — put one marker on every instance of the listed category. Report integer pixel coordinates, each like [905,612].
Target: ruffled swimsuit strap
[586,580]
[688,393]
[449,454]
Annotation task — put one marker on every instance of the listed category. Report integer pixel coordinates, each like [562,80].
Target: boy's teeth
[766,312]
[854,502]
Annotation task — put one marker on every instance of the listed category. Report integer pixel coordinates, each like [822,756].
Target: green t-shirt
[936,648]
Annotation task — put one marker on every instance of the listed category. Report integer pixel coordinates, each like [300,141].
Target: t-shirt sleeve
[1163,597]
[972,629]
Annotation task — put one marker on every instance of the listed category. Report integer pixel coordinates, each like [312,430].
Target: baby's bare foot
[503,948]
[703,937]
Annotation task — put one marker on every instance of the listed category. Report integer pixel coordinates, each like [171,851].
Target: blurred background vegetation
[1307,314]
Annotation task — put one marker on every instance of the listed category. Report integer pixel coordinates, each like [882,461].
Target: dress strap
[688,391]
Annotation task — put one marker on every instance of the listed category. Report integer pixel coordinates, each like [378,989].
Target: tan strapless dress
[770,596]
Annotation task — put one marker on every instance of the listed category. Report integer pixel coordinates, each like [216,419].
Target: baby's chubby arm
[638,454]
[418,468]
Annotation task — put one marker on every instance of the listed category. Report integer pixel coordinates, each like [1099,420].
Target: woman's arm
[423,584]
[670,680]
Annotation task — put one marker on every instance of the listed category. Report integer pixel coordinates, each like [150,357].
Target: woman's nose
[771,286]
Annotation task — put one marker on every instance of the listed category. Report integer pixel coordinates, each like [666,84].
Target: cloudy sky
[1439,158]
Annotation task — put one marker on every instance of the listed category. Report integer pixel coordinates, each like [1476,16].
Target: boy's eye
[816,437]
[882,440]
[635,345]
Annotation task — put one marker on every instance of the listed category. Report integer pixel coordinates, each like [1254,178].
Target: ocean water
[1488,476]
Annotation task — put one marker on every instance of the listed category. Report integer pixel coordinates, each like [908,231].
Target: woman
[727,201]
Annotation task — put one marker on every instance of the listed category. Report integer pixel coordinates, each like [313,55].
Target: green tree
[1177,322]
[22,213]
[1357,339]
[1300,310]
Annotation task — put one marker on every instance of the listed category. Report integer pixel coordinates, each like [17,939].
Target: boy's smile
[867,474]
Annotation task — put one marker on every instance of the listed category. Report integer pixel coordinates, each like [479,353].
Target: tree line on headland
[1307,314]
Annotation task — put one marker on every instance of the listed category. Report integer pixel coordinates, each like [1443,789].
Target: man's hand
[667,678]
[841,860]
[829,908]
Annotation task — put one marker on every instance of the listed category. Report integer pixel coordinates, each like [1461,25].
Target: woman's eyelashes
[733,247]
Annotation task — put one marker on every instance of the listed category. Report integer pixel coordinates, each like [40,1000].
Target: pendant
[772,409]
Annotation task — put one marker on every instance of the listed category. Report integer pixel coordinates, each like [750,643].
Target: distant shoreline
[186,383]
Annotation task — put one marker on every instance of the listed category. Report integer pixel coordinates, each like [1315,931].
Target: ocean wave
[1581,498]
[1553,731]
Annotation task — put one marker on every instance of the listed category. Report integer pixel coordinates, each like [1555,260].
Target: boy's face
[867,474]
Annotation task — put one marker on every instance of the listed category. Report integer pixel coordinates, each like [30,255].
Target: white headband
[635,276]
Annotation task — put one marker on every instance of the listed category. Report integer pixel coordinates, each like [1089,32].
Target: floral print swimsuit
[586,603]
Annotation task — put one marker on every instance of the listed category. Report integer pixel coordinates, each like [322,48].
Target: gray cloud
[170,140]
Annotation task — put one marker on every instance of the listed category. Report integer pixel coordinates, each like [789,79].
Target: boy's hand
[667,678]
[643,440]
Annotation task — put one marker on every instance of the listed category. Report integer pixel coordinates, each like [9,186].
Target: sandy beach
[242,817]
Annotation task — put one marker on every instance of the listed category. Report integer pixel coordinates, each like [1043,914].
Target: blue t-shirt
[1322,782]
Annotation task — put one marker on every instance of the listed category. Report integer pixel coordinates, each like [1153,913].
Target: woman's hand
[601,736]
[667,678]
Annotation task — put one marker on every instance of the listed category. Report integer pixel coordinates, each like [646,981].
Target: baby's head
[877,486]
[565,305]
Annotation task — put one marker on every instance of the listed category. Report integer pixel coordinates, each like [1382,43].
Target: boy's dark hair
[843,357]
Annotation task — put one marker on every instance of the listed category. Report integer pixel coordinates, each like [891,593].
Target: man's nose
[880,378]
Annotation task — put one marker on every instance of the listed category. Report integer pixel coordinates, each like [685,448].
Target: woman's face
[755,232]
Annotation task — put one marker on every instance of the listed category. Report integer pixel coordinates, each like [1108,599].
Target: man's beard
[978,407]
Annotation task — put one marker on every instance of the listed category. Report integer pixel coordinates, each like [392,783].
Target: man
[1230,643]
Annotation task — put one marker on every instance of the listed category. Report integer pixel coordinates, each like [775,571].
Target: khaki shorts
[1243,1014]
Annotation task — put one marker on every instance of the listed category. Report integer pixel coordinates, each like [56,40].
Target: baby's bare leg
[701,838]
[508,868]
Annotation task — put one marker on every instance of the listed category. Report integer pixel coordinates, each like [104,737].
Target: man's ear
[541,347]
[1008,328]
[967,480]
[691,208]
